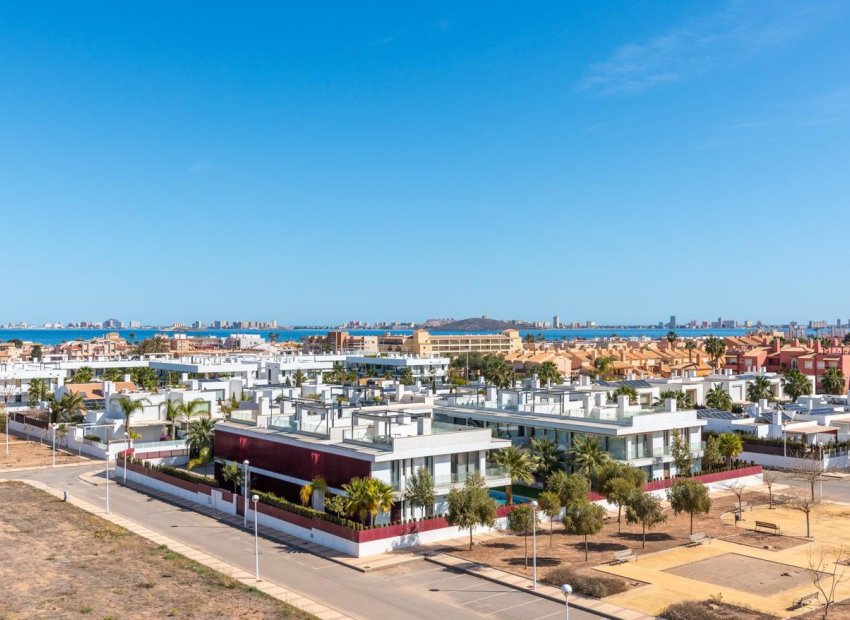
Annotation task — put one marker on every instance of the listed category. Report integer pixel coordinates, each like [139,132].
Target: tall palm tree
[796,384]
[173,410]
[37,392]
[715,347]
[382,497]
[690,347]
[549,458]
[70,407]
[299,378]
[520,465]
[587,456]
[200,438]
[672,337]
[358,502]
[194,407]
[130,406]
[718,398]
[760,388]
[547,372]
[832,381]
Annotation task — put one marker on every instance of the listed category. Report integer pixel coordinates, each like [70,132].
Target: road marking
[428,583]
[556,613]
[498,611]
[483,598]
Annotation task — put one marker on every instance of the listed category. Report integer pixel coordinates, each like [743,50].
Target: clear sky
[318,162]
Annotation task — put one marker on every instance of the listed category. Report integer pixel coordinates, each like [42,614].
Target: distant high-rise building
[672,324]
[556,322]
[135,324]
[218,324]
[112,324]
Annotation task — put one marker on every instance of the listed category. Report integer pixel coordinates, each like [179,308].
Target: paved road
[836,489]
[418,589]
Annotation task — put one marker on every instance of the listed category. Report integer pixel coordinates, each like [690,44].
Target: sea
[57,336]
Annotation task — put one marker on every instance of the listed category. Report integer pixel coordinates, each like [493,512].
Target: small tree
[711,458]
[730,446]
[619,491]
[737,489]
[769,478]
[804,504]
[828,569]
[232,474]
[420,491]
[520,521]
[810,469]
[550,504]
[471,506]
[681,453]
[689,496]
[570,488]
[645,510]
[584,519]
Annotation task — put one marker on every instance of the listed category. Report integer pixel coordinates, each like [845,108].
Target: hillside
[478,324]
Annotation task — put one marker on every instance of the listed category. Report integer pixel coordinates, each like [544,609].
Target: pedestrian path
[271,589]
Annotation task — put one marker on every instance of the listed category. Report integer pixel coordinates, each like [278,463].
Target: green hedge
[177,473]
[271,499]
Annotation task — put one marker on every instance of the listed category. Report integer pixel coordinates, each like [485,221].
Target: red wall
[706,478]
[303,463]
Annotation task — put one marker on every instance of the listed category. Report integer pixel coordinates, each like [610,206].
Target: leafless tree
[769,478]
[805,504]
[829,569]
[811,470]
[738,490]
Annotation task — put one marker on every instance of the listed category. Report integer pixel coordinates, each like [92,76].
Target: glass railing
[366,437]
[245,417]
[490,474]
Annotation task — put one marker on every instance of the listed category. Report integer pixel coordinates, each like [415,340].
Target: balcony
[491,475]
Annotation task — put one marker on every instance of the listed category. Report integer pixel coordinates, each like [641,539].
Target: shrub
[587,584]
[93,438]
[278,502]
[177,473]
[689,610]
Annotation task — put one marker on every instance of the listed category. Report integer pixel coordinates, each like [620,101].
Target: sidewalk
[275,591]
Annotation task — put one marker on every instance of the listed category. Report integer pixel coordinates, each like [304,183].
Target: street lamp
[53,428]
[107,483]
[567,589]
[127,435]
[7,432]
[534,544]
[245,493]
[255,499]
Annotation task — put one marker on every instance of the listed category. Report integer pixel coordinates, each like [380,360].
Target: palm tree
[338,374]
[317,486]
[730,445]
[200,439]
[358,503]
[70,407]
[172,412]
[796,384]
[549,458]
[760,388]
[715,347]
[602,367]
[547,372]
[683,400]
[520,465]
[38,391]
[587,456]
[690,347]
[192,408]
[832,381]
[718,398]
[382,496]
[625,390]
[129,406]
[299,378]
[672,337]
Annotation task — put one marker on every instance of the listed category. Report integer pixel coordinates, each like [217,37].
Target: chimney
[670,405]
[776,418]
[622,403]
[764,404]
[776,345]
[588,403]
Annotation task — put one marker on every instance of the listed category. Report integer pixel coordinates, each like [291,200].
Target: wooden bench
[699,538]
[626,555]
[764,525]
[803,601]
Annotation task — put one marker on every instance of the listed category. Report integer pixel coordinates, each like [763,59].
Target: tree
[587,456]
[36,353]
[712,457]
[114,374]
[689,496]
[37,392]
[832,381]
[570,488]
[683,400]
[584,519]
[550,504]
[406,376]
[155,344]
[672,337]
[172,412]
[825,579]
[145,377]
[420,491]
[760,388]
[796,384]
[769,478]
[299,378]
[200,439]
[129,406]
[644,510]
[681,453]
[83,374]
[625,390]
[520,521]
[317,487]
[602,367]
[715,347]
[194,407]
[471,506]
[69,408]
[547,373]
[804,504]
[233,473]
[730,446]
[367,497]
[690,347]
[19,344]
[810,469]
[718,398]
[737,489]
[619,491]
[520,465]
[336,504]
[617,482]
[549,458]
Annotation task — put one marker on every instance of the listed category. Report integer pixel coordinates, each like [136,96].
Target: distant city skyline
[616,162]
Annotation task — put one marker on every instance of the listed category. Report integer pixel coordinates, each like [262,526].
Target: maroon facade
[288,460]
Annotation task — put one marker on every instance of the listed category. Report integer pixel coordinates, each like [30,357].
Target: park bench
[803,601]
[764,525]
[626,555]
[699,538]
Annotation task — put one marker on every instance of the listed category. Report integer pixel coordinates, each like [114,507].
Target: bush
[93,438]
[689,610]
[278,502]
[182,474]
[596,586]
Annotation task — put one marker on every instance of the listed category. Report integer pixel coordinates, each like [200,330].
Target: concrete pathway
[275,591]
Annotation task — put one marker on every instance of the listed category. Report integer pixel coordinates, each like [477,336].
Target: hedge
[278,502]
[177,473]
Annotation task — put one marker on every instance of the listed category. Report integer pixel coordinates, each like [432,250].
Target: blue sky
[320,162]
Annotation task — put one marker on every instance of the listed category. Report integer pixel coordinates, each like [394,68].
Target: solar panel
[716,414]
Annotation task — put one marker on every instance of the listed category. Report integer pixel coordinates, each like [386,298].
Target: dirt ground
[725,570]
[23,453]
[507,552]
[58,561]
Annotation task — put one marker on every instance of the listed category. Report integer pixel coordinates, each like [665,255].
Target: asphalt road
[418,589]
[836,489]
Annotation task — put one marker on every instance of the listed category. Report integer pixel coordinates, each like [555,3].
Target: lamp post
[245,492]
[567,589]
[53,428]
[127,436]
[107,483]
[7,433]
[255,499]
[534,544]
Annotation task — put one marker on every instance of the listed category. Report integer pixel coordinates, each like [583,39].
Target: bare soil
[23,453]
[725,570]
[508,552]
[58,561]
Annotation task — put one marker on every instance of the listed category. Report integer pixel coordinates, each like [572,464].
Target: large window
[463,464]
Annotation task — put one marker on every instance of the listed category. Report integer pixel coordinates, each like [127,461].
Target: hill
[478,324]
